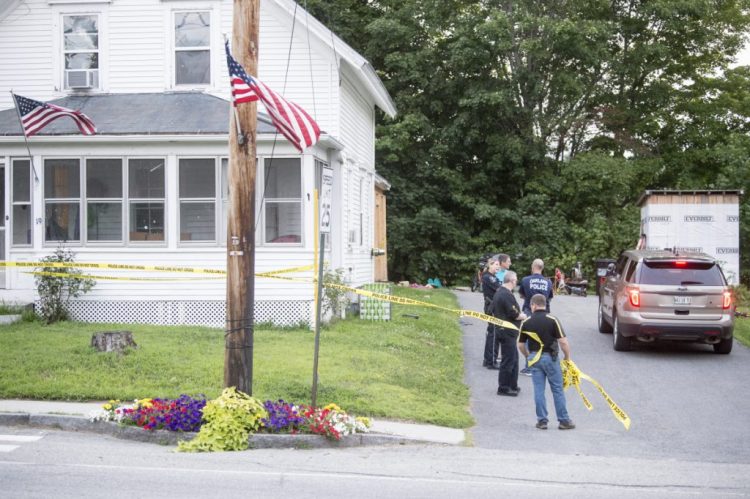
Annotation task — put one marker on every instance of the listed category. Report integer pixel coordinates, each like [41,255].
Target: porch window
[146,199]
[282,201]
[62,199]
[21,202]
[198,199]
[104,199]
[81,51]
[192,47]
[224,199]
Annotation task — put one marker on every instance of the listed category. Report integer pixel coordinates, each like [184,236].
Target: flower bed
[233,414]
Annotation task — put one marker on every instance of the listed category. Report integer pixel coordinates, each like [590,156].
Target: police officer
[489,286]
[534,284]
[505,307]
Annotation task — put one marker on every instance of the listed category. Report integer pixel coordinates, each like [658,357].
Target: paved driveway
[685,402]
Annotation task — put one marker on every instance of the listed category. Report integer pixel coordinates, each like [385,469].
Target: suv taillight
[727,300]
[635,297]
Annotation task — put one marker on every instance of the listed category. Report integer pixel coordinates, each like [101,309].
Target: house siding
[136,56]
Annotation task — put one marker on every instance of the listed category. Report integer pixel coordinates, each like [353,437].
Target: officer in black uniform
[505,307]
[489,286]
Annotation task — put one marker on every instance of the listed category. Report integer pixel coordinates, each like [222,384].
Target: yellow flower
[364,421]
[333,407]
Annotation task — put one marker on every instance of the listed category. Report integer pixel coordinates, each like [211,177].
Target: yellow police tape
[220,274]
[572,376]
[118,278]
[112,266]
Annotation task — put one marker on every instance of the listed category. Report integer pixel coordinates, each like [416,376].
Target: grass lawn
[742,330]
[406,368]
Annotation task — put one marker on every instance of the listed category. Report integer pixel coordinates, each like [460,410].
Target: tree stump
[113,341]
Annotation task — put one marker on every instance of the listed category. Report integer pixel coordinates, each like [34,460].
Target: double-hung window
[81,51]
[62,199]
[282,201]
[192,48]
[224,199]
[146,199]
[198,199]
[21,202]
[104,199]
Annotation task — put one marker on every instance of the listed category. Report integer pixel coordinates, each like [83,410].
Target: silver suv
[660,295]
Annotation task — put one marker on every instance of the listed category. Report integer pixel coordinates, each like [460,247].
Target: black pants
[490,346]
[507,378]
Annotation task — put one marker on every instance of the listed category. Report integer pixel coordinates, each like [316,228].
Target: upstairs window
[192,47]
[81,51]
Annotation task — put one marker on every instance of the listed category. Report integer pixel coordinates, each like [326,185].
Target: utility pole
[238,340]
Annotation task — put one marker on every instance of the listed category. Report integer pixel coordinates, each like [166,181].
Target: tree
[526,124]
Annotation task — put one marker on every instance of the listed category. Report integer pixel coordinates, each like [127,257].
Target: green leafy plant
[56,285]
[335,298]
[228,422]
[10,309]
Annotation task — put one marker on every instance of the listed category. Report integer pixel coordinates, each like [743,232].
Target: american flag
[36,115]
[290,119]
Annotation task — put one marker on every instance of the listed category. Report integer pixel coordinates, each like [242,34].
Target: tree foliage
[533,127]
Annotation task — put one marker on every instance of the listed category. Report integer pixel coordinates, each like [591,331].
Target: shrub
[56,285]
[335,298]
[228,422]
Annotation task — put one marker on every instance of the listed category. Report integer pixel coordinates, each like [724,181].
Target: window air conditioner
[81,78]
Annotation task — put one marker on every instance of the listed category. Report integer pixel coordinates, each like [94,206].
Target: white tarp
[708,228]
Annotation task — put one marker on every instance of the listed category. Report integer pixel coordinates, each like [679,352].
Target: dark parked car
[661,295]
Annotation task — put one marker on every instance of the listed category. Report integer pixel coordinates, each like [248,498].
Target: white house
[150,187]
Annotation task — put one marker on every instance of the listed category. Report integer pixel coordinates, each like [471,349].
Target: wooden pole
[238,340]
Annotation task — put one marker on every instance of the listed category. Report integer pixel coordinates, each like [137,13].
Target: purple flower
[282,416]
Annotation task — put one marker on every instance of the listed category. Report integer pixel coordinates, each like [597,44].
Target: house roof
[172,113]
[6,7]
[361,67]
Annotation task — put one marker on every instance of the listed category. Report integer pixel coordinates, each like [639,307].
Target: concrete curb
[165,437]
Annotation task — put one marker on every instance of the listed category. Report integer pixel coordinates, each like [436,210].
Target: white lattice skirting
[210,313]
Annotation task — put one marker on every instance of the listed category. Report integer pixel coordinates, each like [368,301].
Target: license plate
[682,300]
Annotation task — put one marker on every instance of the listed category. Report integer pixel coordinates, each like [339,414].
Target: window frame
[124,219]
[264,200]
[14,203]
[63,200]
[207,48]
[217,200]
[98,51]
[130,200]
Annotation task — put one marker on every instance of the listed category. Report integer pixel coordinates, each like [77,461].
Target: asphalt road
[85,465]
[689,437]
[685,402]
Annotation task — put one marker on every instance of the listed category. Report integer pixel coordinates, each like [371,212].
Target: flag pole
[25,137]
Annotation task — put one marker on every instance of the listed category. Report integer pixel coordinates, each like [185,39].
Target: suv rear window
[681,273]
